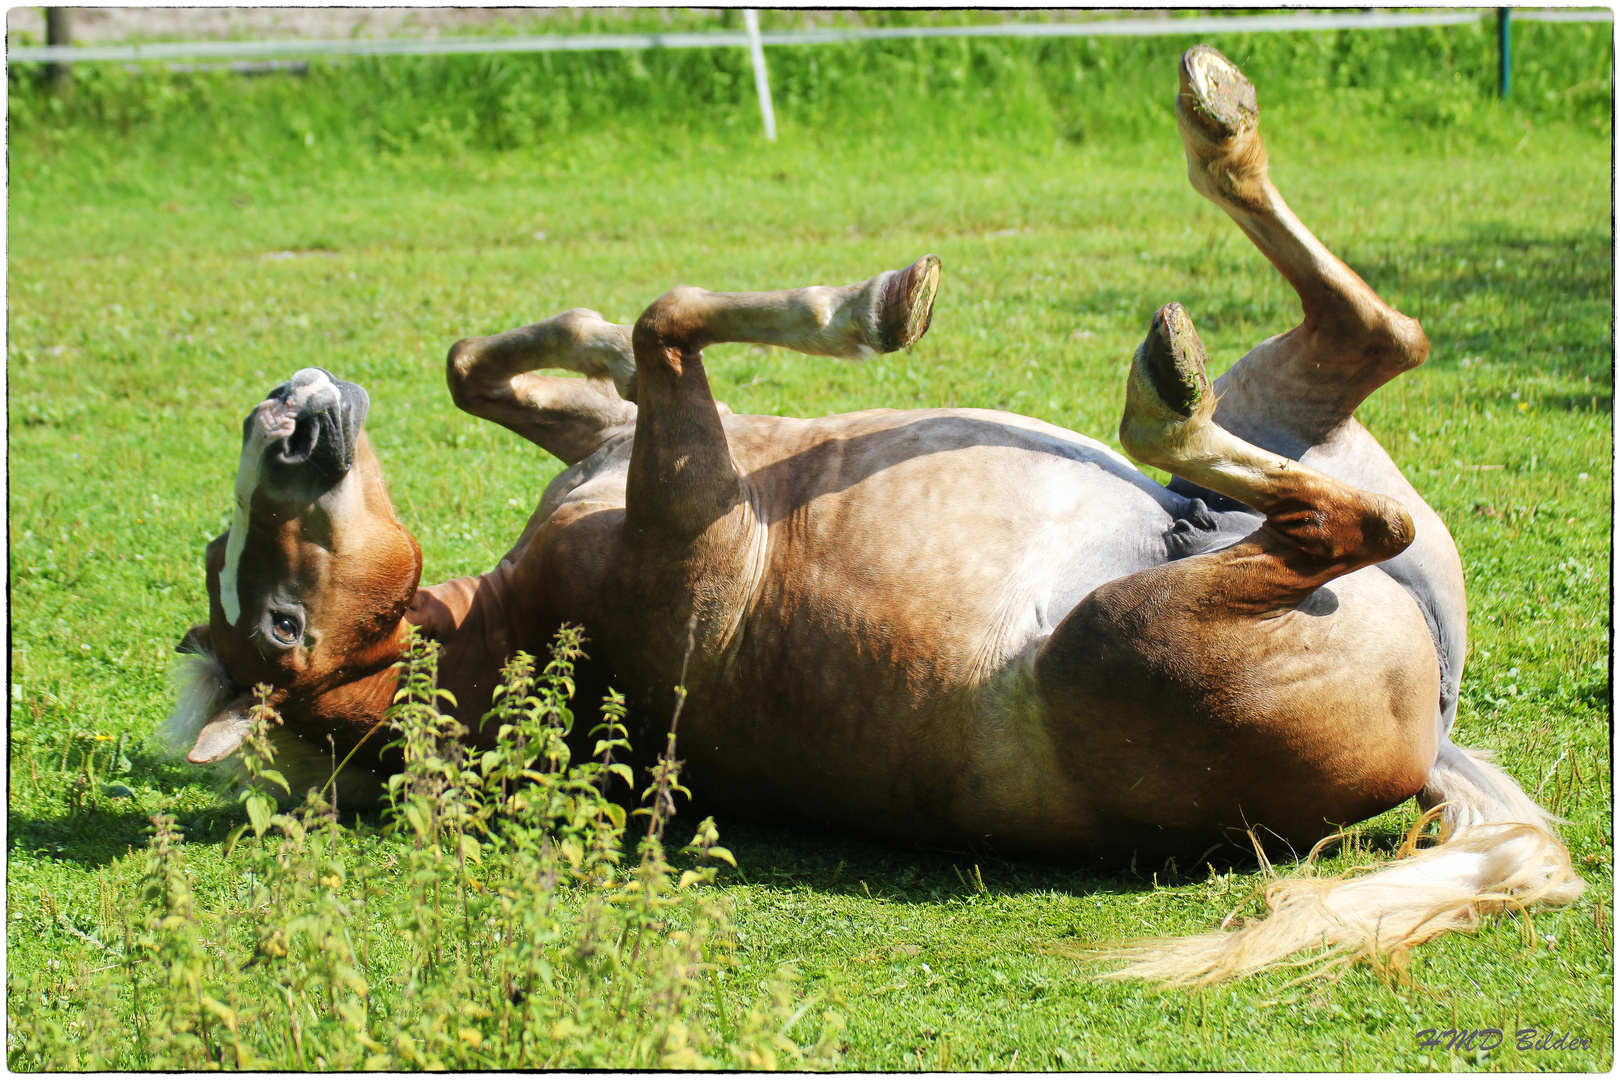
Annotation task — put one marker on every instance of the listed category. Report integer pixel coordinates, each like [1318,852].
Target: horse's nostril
[301,443]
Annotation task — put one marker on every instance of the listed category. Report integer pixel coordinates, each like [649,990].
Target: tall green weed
[498,897]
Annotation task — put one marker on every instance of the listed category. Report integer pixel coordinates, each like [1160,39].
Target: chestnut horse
[949,626]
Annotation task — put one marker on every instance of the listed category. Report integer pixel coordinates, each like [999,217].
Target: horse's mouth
[311,425]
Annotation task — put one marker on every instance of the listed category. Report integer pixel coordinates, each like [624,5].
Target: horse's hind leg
[1227,692]
[1325,527]
[1296,393]
[1229,689]
[1309,380]
[493,378]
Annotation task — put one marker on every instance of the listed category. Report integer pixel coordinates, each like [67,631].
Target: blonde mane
[201,687]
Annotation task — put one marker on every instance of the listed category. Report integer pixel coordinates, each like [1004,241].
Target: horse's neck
[479,623]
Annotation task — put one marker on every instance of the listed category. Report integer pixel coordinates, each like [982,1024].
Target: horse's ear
[223,735]
[199,640]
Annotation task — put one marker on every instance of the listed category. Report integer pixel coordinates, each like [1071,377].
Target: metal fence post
[762,82]
[1504,51]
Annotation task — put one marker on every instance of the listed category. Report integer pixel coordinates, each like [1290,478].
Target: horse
[954,627]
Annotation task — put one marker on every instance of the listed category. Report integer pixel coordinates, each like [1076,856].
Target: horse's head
[308,590]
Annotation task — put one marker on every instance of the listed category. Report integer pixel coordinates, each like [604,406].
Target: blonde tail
[1498,852]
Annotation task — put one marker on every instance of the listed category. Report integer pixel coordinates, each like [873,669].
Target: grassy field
[161,282]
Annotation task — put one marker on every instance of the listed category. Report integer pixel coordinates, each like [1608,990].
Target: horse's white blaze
[247,479]
[272,420]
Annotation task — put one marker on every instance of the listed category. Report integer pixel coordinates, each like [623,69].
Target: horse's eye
[285,628]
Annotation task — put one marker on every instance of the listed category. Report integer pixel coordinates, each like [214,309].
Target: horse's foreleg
[1316,527]
[878,315]
[692,544]
[1294,389]
[493,378]
[681,473]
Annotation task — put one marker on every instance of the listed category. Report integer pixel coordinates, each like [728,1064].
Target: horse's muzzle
[324,415]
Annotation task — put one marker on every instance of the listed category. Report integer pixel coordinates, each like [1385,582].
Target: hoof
[1219,118]
[906,304]
[1215,97]
[1168,404]
[1171,361]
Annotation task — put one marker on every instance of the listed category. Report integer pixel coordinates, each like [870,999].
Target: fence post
[1504,51]
[59,31]
[762,81]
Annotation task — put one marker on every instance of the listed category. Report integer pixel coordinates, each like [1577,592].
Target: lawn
[154,296]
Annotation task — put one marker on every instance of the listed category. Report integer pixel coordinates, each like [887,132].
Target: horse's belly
[887,615]
[972,552]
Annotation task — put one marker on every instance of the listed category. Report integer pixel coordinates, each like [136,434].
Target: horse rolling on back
[949,626]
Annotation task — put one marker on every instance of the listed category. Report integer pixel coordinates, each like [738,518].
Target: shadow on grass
[102,834]
[1578,403]
[779,856]
[1553,292]
[93,824]
[829,861]
[90,838]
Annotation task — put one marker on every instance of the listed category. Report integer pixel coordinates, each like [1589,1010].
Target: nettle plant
[493,921]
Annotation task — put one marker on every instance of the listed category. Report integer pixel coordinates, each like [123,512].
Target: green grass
[145,320]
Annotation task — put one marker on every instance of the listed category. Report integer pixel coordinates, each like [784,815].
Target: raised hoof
[906,304]
[1215,96]
[1171,361]
[1219,118]
[1168,404]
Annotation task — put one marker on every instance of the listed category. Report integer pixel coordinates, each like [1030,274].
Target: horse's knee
[1410,345]
[1381,342]
[474,387]
[672,326]
[574,326]
[458,373]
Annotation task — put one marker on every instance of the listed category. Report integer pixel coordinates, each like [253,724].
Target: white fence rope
[1564,15]
[1214,24]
